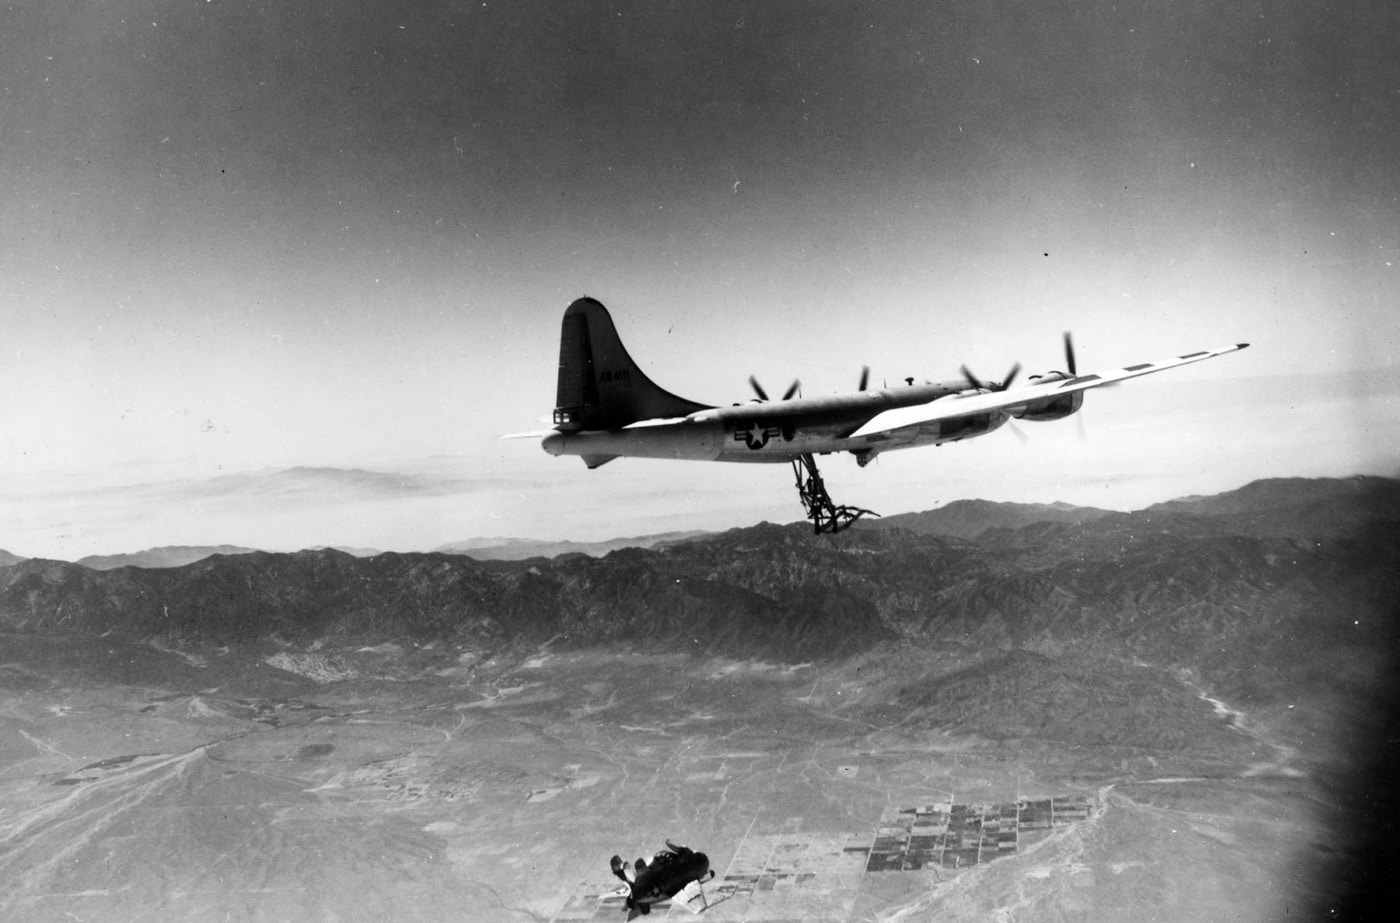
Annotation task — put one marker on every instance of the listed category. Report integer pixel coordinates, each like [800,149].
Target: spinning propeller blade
[763,395]
[980,385]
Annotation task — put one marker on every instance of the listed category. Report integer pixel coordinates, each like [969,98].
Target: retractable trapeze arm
[826,516]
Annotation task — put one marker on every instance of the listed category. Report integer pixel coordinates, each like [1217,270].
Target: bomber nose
[553,443]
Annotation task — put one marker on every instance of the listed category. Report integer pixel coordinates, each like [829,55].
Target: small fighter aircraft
[675,871]
[607,408]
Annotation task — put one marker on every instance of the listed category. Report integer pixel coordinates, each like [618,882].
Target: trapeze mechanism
[826,516]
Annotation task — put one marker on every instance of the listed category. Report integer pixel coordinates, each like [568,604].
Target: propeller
[980,385]
[796,385]
[1071,371]
[1071,367]
[763,395]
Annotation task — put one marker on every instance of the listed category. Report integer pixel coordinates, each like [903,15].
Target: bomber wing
[971,402]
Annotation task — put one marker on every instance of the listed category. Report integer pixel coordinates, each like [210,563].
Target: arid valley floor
[393,784]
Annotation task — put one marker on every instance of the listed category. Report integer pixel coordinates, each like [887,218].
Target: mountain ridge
[1165,587]
[971,518]
[160,556]
[520,549]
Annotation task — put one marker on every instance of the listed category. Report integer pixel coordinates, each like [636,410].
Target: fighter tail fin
[622,870]
[600,386]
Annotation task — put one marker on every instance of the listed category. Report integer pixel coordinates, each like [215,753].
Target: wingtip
[1241,345]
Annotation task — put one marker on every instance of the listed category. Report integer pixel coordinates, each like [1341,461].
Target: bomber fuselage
[777,431]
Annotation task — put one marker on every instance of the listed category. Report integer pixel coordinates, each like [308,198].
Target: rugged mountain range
[1192,584]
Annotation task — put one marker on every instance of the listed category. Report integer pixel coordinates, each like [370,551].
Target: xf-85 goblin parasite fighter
[674,874]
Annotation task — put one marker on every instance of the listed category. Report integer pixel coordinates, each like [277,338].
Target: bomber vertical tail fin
[600,386]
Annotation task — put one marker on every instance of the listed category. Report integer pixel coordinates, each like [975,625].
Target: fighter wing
[691,897]
[961,405]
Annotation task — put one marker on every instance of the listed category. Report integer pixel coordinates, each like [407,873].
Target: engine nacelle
[1051,408]
[965,427]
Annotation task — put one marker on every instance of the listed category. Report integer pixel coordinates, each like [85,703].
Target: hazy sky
[240,237]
